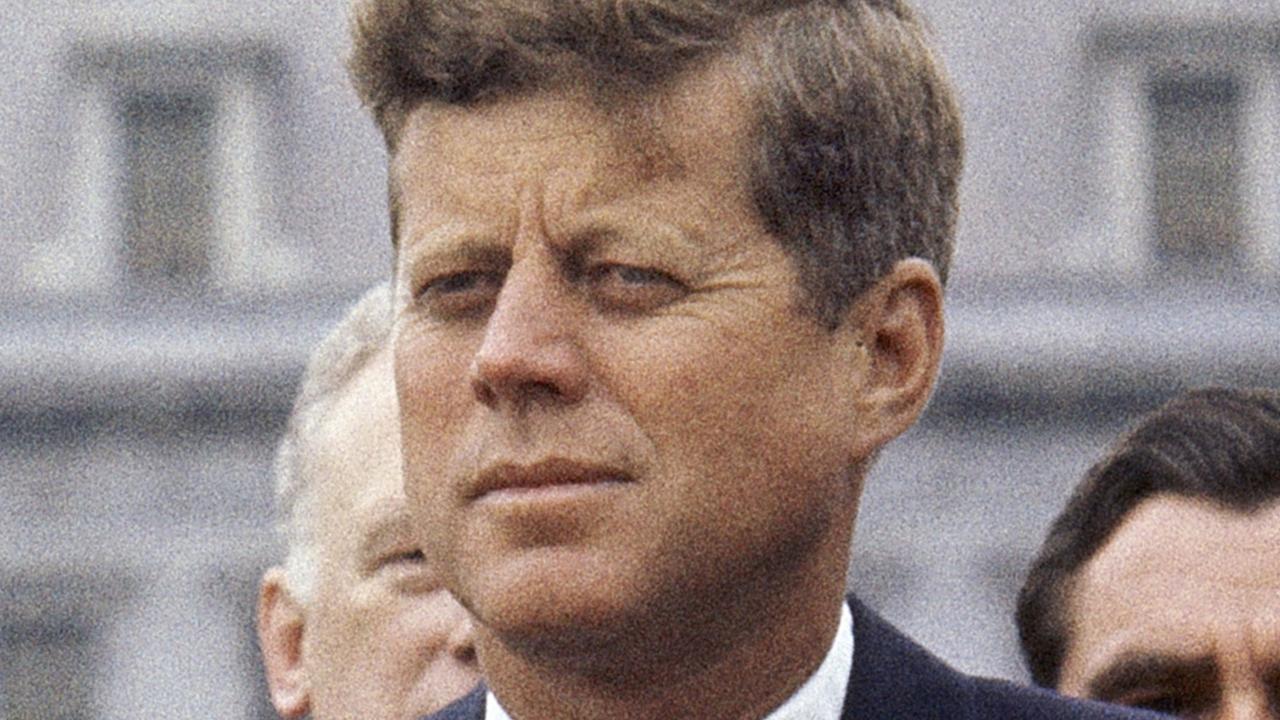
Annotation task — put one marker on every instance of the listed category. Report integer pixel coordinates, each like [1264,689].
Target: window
[45,676]
[1187,127]
[168,183]
[50,643]
[1195,153]
[171,179]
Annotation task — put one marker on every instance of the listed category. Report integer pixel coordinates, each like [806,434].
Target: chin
[563,613]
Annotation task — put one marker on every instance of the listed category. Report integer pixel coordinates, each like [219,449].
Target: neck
[739,657]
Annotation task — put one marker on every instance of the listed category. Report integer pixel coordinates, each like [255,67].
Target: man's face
[1180,612]
[382,638]
[612,410]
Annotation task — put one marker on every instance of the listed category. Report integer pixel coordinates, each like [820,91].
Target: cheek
[411,635]
[375,619]
[424,622]
[433,393]
[715,399]
[683,371]
[373,658]
[426,371]
[746,430]
[338,636]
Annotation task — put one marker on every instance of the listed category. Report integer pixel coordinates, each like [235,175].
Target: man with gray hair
[355,624]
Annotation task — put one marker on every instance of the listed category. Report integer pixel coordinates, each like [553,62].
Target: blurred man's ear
[280,626]
[897,329]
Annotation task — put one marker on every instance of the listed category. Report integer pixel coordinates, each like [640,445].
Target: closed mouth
[551,473]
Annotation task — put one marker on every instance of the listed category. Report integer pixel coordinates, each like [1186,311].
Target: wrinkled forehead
[698,118]
[1181,577]
[1170,538]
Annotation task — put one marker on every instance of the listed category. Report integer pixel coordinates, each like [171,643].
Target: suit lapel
[895,678]
[468,707]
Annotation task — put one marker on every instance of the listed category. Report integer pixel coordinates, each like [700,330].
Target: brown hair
[856,147]
[1216,444]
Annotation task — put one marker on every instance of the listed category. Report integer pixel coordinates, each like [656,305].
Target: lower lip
[549,493]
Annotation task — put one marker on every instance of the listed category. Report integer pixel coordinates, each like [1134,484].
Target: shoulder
[895,677]
[467,707]
[998,698]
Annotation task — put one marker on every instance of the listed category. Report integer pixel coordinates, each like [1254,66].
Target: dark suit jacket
[895,679]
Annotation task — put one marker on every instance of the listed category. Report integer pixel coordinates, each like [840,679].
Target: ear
[280,626]
[897,328]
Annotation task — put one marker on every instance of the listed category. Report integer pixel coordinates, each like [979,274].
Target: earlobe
[899,330]
[280,628]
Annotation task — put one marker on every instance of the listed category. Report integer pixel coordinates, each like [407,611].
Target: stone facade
[138,412]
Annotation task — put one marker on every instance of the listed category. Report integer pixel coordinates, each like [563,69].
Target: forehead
[1180,576]
[696,123]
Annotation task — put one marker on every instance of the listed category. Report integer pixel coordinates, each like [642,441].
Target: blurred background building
[190,196]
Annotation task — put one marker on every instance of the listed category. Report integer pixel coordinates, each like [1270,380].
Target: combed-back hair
[333,365]
[1217,444]
[855,148]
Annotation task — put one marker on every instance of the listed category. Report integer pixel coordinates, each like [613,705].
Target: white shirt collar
[821,697]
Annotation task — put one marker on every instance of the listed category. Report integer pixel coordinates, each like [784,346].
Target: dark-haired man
[668,277]
[1159,584]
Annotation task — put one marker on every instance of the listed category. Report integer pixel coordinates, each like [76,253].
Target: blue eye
[459,294]
[630,275]
[459,282]
[632,288]
[639,276]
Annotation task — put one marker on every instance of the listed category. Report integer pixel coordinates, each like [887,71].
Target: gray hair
[335,362]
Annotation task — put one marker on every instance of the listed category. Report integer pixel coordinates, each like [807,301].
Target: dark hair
[856,146]
[1215,444]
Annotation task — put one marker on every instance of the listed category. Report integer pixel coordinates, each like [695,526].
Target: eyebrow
[450,245]
[1138,671]
[600,229]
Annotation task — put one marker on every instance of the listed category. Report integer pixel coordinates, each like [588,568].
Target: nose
[529,352]
[461,644]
